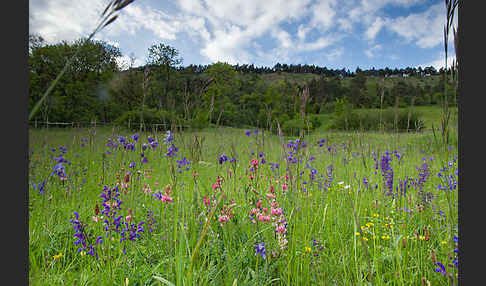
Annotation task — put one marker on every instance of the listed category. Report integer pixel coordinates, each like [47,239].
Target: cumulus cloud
[371,52]
[57,20]
[425,29]
[439,62]
[373,30]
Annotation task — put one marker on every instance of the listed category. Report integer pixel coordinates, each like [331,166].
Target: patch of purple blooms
[83,237]
[183,163]
[260,249]
[387,173]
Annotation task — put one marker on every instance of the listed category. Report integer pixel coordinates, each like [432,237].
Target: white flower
[347,187]
[340,183]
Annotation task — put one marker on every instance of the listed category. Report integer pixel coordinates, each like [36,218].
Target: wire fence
[170,126]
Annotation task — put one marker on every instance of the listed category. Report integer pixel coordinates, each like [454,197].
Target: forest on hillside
[164,90]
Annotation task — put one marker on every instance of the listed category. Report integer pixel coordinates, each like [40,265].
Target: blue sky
[336,34]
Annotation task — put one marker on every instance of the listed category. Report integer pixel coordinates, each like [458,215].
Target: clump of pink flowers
[164,197]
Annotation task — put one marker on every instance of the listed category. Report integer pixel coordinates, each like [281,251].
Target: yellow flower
[82,253]
[365,239]
[444,242]
[376,215]
[357,233]
[57,256]
[307,249]
[422,237]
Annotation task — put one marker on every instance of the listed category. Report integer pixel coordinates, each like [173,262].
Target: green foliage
[76,95]
[201,120]
[294,126]
[376,120]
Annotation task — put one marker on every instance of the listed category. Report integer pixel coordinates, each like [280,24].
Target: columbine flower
[260,249]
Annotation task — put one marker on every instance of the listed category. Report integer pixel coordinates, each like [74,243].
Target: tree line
[219,93]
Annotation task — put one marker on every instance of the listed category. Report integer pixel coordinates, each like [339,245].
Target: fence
[89,124]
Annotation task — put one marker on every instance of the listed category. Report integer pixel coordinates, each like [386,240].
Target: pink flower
[206,201]
[251,177]
[284,187]
[265,210]
[281,228]
[271,196]
[263,218]
[223,218]
[259,204]
[286,177]
[276,211]
[216,186]
[95,218]
[253,211]
[166,199]
[128,217]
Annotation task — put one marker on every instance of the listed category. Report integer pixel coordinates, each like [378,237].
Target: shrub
[292,127]
[370,120]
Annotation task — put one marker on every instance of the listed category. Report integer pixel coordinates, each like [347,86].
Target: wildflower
[168,137]
[40,186]
[57,256]
[284,187]
[224,218]
[441,268]
[248,133]
[172,151]
[281,228]
[135,137]
[223,158]
[260,249]
[263,218]
[307,249]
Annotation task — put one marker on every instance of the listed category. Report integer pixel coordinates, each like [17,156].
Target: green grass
[322,246]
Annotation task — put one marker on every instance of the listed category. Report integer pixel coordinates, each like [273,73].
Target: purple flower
[223,158]
[40,186]
[168,137]
[172,151]
[248,133]
[135,137]
[260,249]
[441,268]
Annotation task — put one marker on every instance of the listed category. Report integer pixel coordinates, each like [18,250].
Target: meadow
[228,206]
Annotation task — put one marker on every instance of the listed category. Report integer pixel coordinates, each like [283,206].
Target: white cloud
[58,20]
[125,61]
[371,52]
[323,13]
[373,30]
[425,29]
[439,62]
[335,54]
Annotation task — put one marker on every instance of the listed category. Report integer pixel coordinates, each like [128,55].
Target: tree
[165,58]
[223,82]
[81,91]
